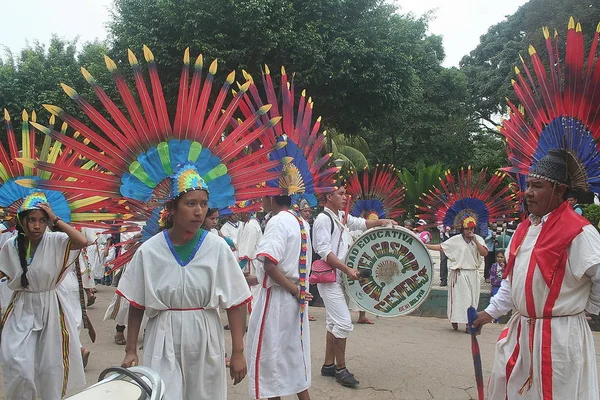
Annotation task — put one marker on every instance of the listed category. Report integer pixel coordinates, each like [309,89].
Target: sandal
[120,339]
[454,326]
[312,317]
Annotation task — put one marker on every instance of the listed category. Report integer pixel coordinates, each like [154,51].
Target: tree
[372,71]
[353,150]
[33,78]
[490,67]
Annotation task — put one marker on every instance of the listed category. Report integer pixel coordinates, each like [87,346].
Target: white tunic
[249,236]
[572,345]
[464,284]
[40,348]
[230,230]
[184,337]
[5,292]
[278,356]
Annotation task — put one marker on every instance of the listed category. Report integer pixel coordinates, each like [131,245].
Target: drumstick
[472,316]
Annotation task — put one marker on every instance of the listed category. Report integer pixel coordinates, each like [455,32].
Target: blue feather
[178,152]
[11,192]
[152,164]
[133,188]
[469,203]
[299,160]
[366,206]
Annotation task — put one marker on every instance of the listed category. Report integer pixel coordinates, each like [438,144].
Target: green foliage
[373,72]
[422,181]
[352,150]
[490,67]
[33,78]
[592,213]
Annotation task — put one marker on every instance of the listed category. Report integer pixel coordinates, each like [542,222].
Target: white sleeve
[322,236]
[593,304]
[501,303]
[357,223]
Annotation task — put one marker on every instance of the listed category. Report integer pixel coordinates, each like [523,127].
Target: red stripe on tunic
[510,365]
[259,349]
[133,303]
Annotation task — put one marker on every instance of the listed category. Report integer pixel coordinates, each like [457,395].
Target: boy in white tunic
[278,332]
[181,277]
[249,236]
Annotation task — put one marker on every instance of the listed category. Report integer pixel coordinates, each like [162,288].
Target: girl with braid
[40,347]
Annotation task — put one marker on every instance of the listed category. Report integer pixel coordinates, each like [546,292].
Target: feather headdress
[18,165]
[560,109]
[469,196]
[142,147]
[304,170]
[375,194]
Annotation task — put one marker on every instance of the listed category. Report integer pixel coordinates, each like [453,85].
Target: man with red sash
[546,351]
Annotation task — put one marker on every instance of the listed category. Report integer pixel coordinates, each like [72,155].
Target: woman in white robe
[40,347]
[184,340]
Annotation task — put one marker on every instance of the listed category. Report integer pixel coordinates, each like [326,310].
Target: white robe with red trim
[40,347]
[184,337]
[278,357]
[572,351]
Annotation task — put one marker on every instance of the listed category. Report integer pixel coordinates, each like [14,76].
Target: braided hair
[21,247]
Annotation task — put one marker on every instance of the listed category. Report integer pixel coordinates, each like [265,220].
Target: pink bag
[322,272]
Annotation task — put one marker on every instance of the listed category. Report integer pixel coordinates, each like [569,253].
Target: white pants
[337,314]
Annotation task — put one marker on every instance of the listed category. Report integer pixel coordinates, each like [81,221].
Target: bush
[592,213]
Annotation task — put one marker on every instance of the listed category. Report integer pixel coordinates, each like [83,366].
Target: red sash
[550,256]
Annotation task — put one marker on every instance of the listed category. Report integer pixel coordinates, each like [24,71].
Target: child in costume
[496,272]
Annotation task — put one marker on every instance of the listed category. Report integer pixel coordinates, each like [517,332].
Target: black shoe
[328,370]
[345,378]
[444,284]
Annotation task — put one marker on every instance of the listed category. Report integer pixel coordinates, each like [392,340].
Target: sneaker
[328,370]
[345,378]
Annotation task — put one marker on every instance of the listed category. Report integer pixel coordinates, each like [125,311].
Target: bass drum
[401,271]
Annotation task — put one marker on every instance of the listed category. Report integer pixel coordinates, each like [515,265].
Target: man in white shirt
[231,228]
[332,245]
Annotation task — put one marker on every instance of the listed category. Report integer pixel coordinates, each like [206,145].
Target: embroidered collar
[236,225]
[194,251]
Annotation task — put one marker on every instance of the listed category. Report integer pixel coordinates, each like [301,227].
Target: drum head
[112,390]
[401,271]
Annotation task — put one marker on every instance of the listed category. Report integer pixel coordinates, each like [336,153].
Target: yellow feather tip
[303,94]
[531,50]
[6,115]
[245,86]
[230,78]
[517,71]
[264,109]
[571,23]
[199,62]
[87,76]
[546,32]
[282,70]
[25,116]
[52,120]
[131,57]
[267,70]
[186,56]
[598,27]
[110,64]
[148,54]
[578,27]
[33,116]
[213,67]
[54,110]
[72,93]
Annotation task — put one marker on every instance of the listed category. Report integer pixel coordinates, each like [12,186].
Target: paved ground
[408,358]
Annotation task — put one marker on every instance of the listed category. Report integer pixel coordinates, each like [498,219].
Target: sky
[460,22]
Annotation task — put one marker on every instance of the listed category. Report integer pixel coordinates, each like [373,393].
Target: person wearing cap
[551,279]
[179,278]
[40,347]
[464,252]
